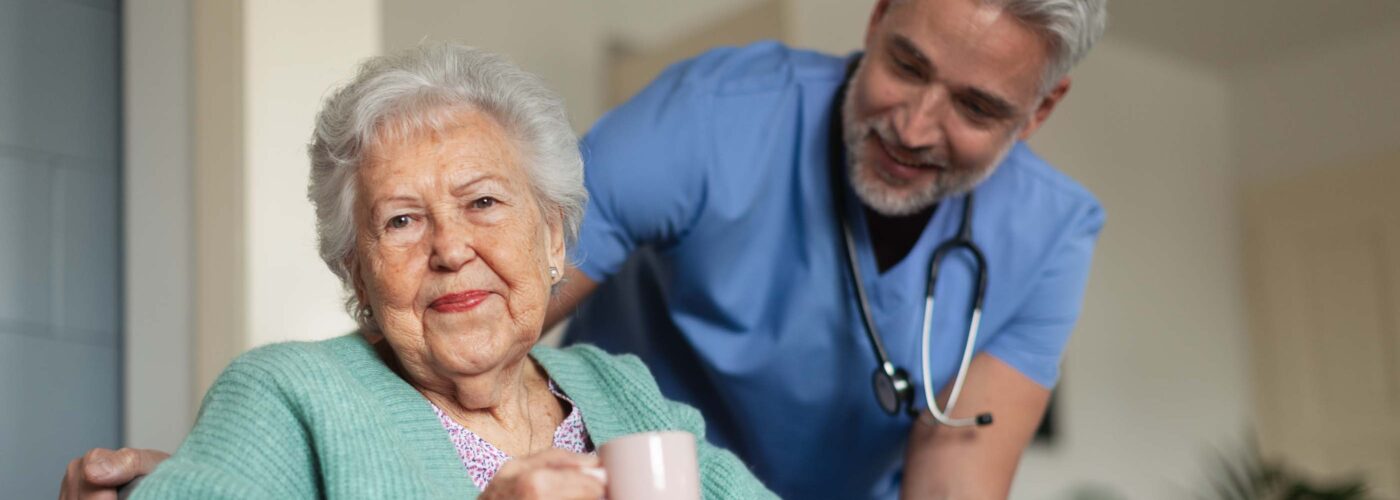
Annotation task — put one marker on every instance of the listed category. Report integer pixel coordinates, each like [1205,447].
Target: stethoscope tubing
[891,379]
[962,241]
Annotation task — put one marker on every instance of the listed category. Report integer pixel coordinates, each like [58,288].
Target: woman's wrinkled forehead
[473,144]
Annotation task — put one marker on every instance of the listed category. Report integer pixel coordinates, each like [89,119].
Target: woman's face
[453,250]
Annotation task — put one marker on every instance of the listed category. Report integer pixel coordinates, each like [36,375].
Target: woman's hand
[100,472]
[550,474]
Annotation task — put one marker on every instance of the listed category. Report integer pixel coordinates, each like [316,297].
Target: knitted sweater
[329,419]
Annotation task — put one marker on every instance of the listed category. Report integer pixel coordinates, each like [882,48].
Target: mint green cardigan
[329,419]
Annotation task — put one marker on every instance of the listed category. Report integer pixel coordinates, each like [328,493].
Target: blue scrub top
[711,228]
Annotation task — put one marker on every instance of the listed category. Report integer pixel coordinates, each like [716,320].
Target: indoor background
[1245,291]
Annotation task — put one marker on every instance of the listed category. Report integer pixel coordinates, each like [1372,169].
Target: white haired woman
[447,184]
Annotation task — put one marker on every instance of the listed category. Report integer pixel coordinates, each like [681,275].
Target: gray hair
[393,97]
[1069,27]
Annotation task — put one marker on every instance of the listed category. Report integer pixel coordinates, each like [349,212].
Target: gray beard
[889,196]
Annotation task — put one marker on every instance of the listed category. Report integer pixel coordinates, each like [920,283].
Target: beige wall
[1336,103]
[1156,376]
[835,26]
[563,42]
[648,23]
[631,69]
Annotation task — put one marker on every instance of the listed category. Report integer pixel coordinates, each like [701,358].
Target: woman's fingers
[573,483]
[551,474]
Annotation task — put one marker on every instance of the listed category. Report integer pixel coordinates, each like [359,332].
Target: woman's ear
[555,240]
[363,316]
[357,282]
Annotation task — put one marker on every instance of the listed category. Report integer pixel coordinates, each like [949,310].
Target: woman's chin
[473,351]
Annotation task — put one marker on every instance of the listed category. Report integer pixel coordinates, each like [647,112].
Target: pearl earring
[553,273]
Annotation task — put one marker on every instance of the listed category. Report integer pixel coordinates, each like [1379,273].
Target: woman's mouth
[459,301]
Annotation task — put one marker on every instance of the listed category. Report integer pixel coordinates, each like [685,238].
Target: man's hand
[100,472]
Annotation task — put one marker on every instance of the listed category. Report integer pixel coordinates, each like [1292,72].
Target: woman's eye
[399,221]
[484,202]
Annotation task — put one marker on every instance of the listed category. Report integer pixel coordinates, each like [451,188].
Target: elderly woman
[447,184]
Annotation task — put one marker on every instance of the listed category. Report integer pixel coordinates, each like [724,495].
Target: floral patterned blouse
[483,459]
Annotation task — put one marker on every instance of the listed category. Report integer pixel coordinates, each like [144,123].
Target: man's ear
[1046,106]
[876,15]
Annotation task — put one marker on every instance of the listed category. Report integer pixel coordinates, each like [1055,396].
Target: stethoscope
[892,387]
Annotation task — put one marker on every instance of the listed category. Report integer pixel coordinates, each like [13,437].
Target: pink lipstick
[459,301]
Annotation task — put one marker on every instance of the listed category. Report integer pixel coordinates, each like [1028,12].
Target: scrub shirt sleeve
[1035,338]
[645,167]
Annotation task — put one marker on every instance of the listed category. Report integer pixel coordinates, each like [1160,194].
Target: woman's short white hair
[394,97]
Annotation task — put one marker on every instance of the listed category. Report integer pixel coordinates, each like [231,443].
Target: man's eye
[906,68]
[977,109]
[399,221]
[484,202]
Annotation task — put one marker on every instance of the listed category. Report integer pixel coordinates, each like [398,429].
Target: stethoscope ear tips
[984,419]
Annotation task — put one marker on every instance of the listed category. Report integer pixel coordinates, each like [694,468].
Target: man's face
[942,93]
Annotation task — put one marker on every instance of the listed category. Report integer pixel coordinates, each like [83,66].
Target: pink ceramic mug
[652,466]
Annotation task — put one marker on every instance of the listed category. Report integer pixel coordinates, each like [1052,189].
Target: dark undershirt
[893,237]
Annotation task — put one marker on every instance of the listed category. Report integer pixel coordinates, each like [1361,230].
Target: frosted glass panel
[58,78]
[26,284]
[60,227]
[63,409]
[86,209]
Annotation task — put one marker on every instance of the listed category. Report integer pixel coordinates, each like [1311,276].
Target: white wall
[1336,103]
[261,68]
[1156,376]
[159,255]
[221,255]
[295,53]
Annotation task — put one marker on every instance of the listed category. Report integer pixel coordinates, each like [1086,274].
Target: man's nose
[453,245]
[922,124]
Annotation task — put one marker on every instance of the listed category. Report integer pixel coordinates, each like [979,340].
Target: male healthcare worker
[712,247]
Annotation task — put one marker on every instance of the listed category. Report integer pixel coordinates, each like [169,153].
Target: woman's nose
[452,246]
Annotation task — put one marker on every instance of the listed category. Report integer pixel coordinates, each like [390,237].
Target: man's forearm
[976,462]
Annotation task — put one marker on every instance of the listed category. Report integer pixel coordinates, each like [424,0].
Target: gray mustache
[922,157]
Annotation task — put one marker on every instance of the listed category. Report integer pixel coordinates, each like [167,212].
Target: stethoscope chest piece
[892,389]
